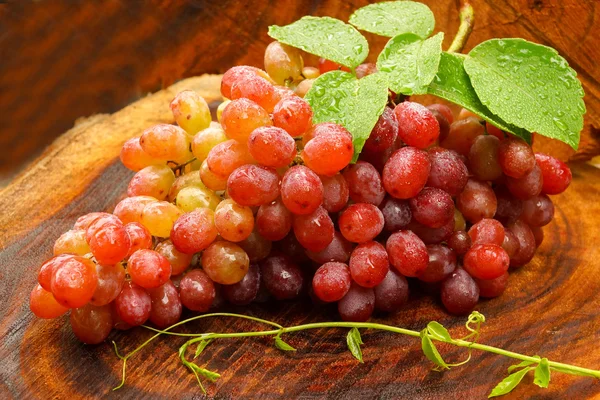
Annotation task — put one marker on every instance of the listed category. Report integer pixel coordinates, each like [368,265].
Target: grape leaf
[410,63]
[281,345]
[542,374]
[509,383]
[201,346]
[528,85]
[394,18]
[356,104]
[325,37]
[354,341]
[431,351]
[453,84]
[437,331]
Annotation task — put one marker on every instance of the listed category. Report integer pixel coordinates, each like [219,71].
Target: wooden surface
[550,308]
[63,60]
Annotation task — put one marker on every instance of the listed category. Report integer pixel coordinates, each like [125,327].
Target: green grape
[159,218]
[283,63]
[221,108]
[193,197]
[191,111]
[205,140]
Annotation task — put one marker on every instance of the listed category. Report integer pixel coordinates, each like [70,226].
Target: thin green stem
[467,19]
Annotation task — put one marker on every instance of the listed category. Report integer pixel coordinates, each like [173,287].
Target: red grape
[329,150]
[492,287]
[486,261]
[271,146]
[444,110]
[194,231]
[392,293]
[369,264]
[314,231]
[74,281]
[487,231]
[294,115]
[364,183]
[166,305]
[245,291]
[43,304]
[301,190]
[139,236]
[335,192]
[331,281]
[133,304]
[448,171]
[462,135]
[179,261]
[338,250]
[281,276]
[417,126]
[253,185]
[407,253]
[528,186]
[396,213]
[384,133]
[460,293]
[406,172]
[477,201]
[538,211]
[526,240]
[442,262]
[225,263]
[361,222]
[556,174]
[483,158]
[515,157]
[460,242]
[273,221]
[432,207]
[148,269]
[197,291]
[110,282]
[91,324]
[357,305]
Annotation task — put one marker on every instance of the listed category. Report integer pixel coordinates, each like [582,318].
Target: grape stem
[279,330]
[467,19]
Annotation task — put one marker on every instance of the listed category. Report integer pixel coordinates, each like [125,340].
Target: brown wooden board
[550,308]
[62,60]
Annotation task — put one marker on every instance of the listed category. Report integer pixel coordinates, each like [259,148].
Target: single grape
[444,110]
[442,262]
[384,133]
[460,242]
[159,218]
[197,291]
[510,244]
[43,304]
[357,305]
[494,131]
[432,235]
[369,264]
[477,201]
[225,262]
[515,157]
[448,172]
[205,140]
[379,159]
[301,190]
[240,72]
[245,291]
[253,185]
[538,234]
[528,186]
[338,250]
[110,282]
[417,126]
[538,211]
[179,261]
[165,142]
[459,221]
[74,281]
[148,269]
[154,181]
[225,157]
[486,261]
[314,231]
[487,231]
[191,179]
[294,115]
[310,72]
[443,123]
[130,208]
[432,207]
[233,221]
[483,158]
[492,287]
[166,305]
[273,220]
[135,158]
[191,111]
[281,276]
[241,117]
[526,240]
[331,281]
[364,183]
[365,69]
[271,146]
[406,172]
[329,150]
[91,324]
[256,246]
[335,192]
[194,231]
[72,242]
[328,65]
[86,220]
[256,89]
[361,222]
[191,198]
[133,304]
[392,293]
[509,207]
[407,253]
[396,213]
[283,63]
[303,87]
[462,135]
[47,269]
[556,174]
[459,293]
[139,237]
[464,114]
[210,179]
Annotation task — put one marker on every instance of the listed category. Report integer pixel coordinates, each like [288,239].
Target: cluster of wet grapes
[264,204]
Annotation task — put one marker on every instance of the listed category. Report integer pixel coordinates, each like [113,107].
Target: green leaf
[520,365]
[201,346]
[326,37]
[410,63]
[395,18]
[437,331]
[354,341]
[453,84]
[509,383]
[431,351]
[530,86]
[356,104]
[281,345]
[208,374]
[542,374]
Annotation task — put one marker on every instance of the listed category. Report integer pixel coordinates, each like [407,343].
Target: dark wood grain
[66,60]
[550,308]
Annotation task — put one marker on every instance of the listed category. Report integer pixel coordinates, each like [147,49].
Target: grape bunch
[264,204]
